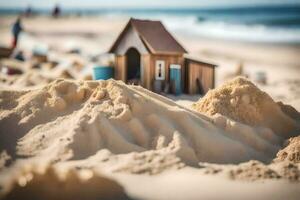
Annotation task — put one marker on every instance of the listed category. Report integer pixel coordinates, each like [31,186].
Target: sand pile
[240,100]
[7,80]
[291,152]
[286,165]
[29,79]
[34,72]
[288,170]
[46,182]
[254,170]
[33,77]
[68,119]
[111,127]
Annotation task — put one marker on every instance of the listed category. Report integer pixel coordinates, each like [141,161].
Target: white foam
[221,30]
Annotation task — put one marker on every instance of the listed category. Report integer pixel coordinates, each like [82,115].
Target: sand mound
[111,127]
[31,78]
[291,152]
[242,101]
[288,170]
[69,119]
[253,170]
[37,182]
[34,77]
[285,166]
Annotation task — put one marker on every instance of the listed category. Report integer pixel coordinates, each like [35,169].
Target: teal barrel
[103,72]
[175,79]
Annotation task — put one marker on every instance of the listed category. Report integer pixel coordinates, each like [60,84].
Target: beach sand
[94,35]
[121,131]
[73,138]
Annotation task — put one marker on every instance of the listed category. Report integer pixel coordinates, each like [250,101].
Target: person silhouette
[16,30]
[56,11]
[28,11]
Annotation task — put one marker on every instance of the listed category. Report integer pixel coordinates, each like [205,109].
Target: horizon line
[152,7]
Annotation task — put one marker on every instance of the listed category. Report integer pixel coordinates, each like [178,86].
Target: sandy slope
[95,35]
[112,128]
[73,138]
[88,116]
[240,100]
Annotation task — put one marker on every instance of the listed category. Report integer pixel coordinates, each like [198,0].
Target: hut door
[133,65]
[160,70]
[175,78]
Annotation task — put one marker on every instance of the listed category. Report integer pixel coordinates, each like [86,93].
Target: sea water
[265,24]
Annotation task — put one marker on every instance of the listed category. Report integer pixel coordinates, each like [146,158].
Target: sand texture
[67,138]
[84,117]
[49,183]
[242,101]
[67,127]
[291,152]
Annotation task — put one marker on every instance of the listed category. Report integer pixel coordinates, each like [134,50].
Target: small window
[160,70]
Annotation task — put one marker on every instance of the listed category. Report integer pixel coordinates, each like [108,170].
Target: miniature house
[148,55]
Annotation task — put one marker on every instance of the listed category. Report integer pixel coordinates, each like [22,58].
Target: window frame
[163,70]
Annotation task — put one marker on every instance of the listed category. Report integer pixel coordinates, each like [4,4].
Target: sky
[140,3]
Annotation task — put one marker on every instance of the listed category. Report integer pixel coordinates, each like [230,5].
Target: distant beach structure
[147,54]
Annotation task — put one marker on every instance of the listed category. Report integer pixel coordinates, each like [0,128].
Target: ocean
[263,24]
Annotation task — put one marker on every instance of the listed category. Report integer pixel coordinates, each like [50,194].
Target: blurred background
[259,39]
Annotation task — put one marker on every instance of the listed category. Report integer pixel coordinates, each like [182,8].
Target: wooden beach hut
[148,55]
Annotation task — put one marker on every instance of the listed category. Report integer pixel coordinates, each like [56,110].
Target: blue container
[103,72]
[175,79]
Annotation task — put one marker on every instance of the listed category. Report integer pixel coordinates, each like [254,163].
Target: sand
[111,128]
[242,101]
[291,152]
[49,183]
[88,116]
[93,35]
[108,140]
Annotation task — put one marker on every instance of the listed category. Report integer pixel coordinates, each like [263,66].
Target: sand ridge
[48,182]
[291,152]
[117,128]
[84,117]
[64,136]
[241,100]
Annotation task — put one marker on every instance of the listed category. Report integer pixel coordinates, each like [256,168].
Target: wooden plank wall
[194,72]
[169,59]
[207,78]
[120,68]
[145,62]
[205,73]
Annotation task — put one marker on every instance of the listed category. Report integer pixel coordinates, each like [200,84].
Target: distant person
[16,30]
[56,11]
[28,11]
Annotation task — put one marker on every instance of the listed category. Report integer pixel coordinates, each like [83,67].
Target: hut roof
[154,35]
[189,58]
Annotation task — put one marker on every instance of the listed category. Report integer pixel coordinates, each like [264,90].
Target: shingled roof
[154,35]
